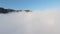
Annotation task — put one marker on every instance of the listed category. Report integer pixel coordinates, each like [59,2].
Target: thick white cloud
[46,22]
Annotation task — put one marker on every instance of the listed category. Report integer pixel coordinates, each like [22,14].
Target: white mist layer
[47,22]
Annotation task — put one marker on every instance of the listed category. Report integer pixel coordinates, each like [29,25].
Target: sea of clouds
[38,22]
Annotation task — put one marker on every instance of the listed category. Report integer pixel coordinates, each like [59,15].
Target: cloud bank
[43,22]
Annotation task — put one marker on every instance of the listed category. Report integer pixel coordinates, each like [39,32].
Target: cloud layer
[46,22]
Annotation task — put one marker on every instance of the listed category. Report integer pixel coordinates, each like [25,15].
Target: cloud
[44,22]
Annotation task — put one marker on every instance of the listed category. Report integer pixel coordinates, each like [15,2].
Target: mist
[38,22]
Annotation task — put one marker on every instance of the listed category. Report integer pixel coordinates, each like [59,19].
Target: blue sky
[30,4]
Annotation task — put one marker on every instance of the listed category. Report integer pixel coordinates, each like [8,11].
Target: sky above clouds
[30,4]
[47,22]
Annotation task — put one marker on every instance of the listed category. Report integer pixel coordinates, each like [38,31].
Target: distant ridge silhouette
[4,11]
